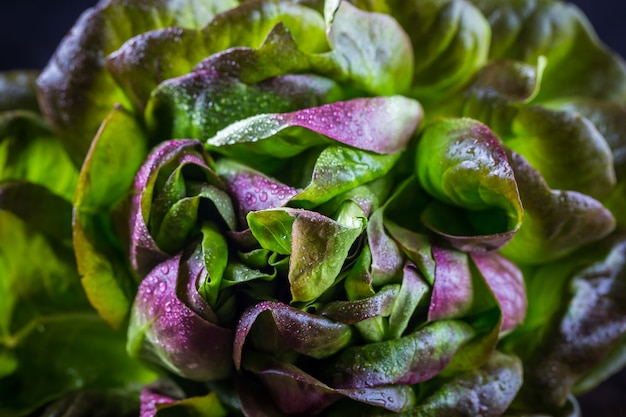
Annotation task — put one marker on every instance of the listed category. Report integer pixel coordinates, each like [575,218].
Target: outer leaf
[556,222]
[450,42]
[578,333]
[578,64]
[76,91]
[29,151]
[74,342]
[24,199]
[566,148]
[105,275]
[460,162]
[610,120]
[487,391]
[148,59]
[360,41]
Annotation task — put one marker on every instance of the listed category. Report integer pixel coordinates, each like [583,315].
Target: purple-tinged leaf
[294,392]
[164,211]
[506,282]
[414,358]
[453,291]
[487,391]
[381,124]
[387,260]
[144,252]
[352,312]
[76,92]
[252,190]
[166,331]
[584,329]
[199,104]
[309,334]
[298,393]
[150,399]
[150,58]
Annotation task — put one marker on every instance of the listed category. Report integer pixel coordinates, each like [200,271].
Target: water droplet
[165,270]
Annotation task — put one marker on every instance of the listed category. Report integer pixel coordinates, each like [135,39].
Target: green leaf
[201,406]
[413,358]
[360,44]
[106,278]
[215,254]
[30,152]
[578,63]
[25,200]
[317,244]
[76,91]
[556,222]
[64,352]
[33,286]
[339,169]
[273,229]
[450,43]
[565,148]
[487,391]
[461,163]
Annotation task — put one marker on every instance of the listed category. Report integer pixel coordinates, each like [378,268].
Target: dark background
[31,29]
